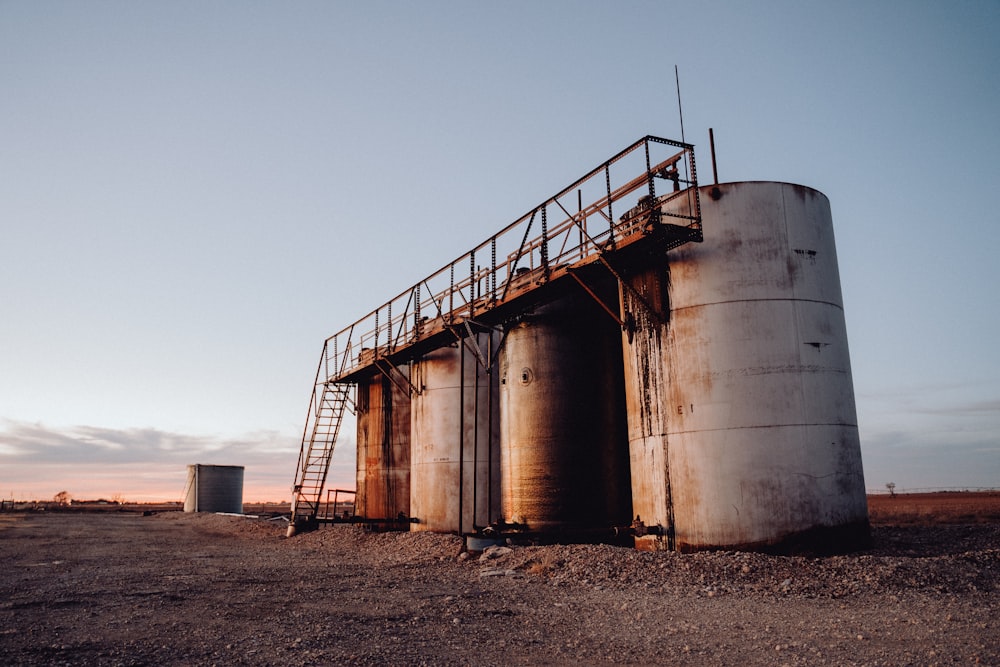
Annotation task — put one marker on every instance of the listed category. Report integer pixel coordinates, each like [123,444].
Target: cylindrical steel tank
[564,447]
[212,488]
[742,421]
[383,447]
[455,453]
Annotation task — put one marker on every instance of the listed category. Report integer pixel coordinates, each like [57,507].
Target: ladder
[326,412]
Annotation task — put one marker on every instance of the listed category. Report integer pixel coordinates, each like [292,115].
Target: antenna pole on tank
[680,112]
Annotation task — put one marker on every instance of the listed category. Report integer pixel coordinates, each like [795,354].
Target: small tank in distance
[214,488]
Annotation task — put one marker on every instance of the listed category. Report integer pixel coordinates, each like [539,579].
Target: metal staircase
[326,414]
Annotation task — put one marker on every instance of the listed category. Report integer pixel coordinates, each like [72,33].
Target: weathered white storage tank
[564,447]
[383,442]
[455,453]
[742,422]
[213,488]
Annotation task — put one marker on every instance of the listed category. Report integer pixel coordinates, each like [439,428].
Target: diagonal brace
[601,252]
[409,389]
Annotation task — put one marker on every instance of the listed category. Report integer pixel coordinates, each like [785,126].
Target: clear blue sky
[194,195]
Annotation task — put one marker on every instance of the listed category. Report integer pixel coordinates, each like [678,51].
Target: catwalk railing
[544,243]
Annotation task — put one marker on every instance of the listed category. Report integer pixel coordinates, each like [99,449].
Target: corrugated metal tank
[383,442]
[455,425]
[742,420]
[212,488]
[564,447]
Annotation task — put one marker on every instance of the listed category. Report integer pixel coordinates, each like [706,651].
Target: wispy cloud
[33,442]
[37,461]
[970,409]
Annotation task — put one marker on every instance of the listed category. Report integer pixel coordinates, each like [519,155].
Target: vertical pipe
[475,442]
[461,434]
[489,430]
[711,143]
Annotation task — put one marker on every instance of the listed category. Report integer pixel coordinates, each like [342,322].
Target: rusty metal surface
[647,406]
[751,392]
[383,449]
[564,452]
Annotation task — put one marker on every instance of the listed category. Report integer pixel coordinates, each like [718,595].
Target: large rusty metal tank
[742,421]
[455,453]
[564,448]
[383,442]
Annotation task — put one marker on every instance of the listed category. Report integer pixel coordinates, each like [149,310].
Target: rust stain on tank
[383,441]
[802,192]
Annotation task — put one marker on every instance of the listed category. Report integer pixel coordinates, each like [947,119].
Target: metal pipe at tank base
[520,534]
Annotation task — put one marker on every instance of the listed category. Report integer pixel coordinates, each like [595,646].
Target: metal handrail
[480,279]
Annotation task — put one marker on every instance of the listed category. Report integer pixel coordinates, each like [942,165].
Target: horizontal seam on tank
[771,370]
[743,428]
[717,303]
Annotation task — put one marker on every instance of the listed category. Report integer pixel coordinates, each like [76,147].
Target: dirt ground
[119,588]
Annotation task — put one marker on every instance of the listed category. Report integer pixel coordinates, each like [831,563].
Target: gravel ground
[199,589]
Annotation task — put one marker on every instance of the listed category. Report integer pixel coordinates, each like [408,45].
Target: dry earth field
[119,588]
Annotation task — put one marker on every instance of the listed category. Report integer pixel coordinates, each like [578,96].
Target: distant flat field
[933,508]
[883,509]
